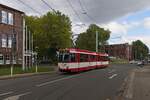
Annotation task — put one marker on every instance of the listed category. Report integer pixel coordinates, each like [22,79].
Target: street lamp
[13,53]
[36,58]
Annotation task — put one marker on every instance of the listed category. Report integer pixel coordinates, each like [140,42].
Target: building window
[7,18]
[4,17]
[4,41]
[9,44]
[7,59]
[10,18]
[1,59]
[14,41]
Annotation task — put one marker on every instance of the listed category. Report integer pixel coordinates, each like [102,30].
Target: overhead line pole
[23,51]
[92,19]
[96,41]
[26,48]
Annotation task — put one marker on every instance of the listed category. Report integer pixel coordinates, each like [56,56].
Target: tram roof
[74,50]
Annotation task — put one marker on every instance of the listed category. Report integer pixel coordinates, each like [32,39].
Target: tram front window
[64,58]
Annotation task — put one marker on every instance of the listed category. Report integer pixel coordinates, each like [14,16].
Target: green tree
[50,32]
[139,50]
[86,40]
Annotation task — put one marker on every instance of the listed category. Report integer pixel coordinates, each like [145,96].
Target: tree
[139,50]
[50,32]
[86,40]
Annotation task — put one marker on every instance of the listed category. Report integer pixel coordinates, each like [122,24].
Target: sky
[128,20]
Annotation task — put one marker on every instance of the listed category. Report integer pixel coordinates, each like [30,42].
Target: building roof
[117,44]
[10,8]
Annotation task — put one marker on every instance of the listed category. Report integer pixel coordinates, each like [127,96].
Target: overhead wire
[48,5]
[76,13]
[85,12]
[30,7]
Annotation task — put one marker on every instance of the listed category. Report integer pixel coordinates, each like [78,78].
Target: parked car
[133,62]
[140,63]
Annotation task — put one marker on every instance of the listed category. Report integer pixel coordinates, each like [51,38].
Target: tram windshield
[67,57]
[64,57]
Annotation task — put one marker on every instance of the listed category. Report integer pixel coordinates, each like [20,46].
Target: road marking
[113,70]
[50,82]
[3,94]
[16,97]
[112,76]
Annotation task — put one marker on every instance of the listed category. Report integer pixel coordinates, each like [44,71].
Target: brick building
[123,51]
[11,35]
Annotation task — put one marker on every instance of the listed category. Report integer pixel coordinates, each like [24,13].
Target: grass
[18,70]
[119,61]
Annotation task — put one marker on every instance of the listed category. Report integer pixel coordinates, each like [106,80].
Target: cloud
[102,11]
[79,28]
[146,22]
[120,28]
[129,39]
[116,28]
[143,38]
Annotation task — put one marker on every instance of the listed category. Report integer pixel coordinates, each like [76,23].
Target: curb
[128,87]
[24,75]
[126,90]
[128,94]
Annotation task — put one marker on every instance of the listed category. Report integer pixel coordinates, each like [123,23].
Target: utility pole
[23,51]
[32,48]
[13,52]
[29,49]
[26,48]
[96,41]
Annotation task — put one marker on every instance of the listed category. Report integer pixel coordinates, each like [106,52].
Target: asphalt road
[99,84]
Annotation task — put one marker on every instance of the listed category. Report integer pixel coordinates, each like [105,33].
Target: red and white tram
[76,60]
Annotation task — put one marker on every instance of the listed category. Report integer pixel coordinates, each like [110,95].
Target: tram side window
[104,58]
[99,58]
[83,58]
[72,57]
[93,58]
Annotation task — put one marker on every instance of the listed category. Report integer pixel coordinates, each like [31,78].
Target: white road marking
[50,82]
[16,97]
[3,94]
[112,76]
[113,70]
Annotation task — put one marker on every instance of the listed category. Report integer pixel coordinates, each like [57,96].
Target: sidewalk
[138,85]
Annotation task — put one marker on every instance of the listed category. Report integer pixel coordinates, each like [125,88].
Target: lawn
[18,70]
[118,61]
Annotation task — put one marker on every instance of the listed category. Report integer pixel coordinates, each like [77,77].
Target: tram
[77,60]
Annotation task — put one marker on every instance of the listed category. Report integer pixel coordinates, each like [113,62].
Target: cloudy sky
[128,20]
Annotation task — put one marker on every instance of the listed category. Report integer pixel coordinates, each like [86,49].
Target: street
[98,84]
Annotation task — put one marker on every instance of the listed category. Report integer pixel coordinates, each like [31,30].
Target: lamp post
[36,59]
[13,53]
